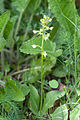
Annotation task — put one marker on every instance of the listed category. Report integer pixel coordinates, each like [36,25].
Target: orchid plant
[43,32]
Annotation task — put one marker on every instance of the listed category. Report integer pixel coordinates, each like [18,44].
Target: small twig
[24,70]
[10,52]
[18,24]
[28,26]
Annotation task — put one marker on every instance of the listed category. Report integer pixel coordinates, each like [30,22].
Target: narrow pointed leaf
[3,21]
[34,100]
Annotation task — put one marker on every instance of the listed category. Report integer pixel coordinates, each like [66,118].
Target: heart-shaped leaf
[53,84]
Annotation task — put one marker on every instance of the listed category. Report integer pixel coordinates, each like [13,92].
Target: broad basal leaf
[61,38]
[3,21]
[65,13]
[51,97]
[12,91]
[61,113]
[30,76]
[33,5]
[8,29]
[54,31]
[59,71]
[23,87]
[34,100]
[2,43]
[8,32]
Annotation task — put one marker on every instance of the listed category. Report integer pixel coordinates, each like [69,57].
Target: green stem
[41,79]
[75,54]
[18,67]
[75,51]
[2,61]
[18,24]
[42,49]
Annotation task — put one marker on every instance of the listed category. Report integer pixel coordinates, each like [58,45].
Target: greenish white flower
[47,28]
[34,46]
[42,21]
[50,19]
[45,20]
[35,31]
[43,30]
[46,36]
[51,28]
[44,53]
[45,16]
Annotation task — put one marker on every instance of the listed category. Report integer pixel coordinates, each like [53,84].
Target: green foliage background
[20,63]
